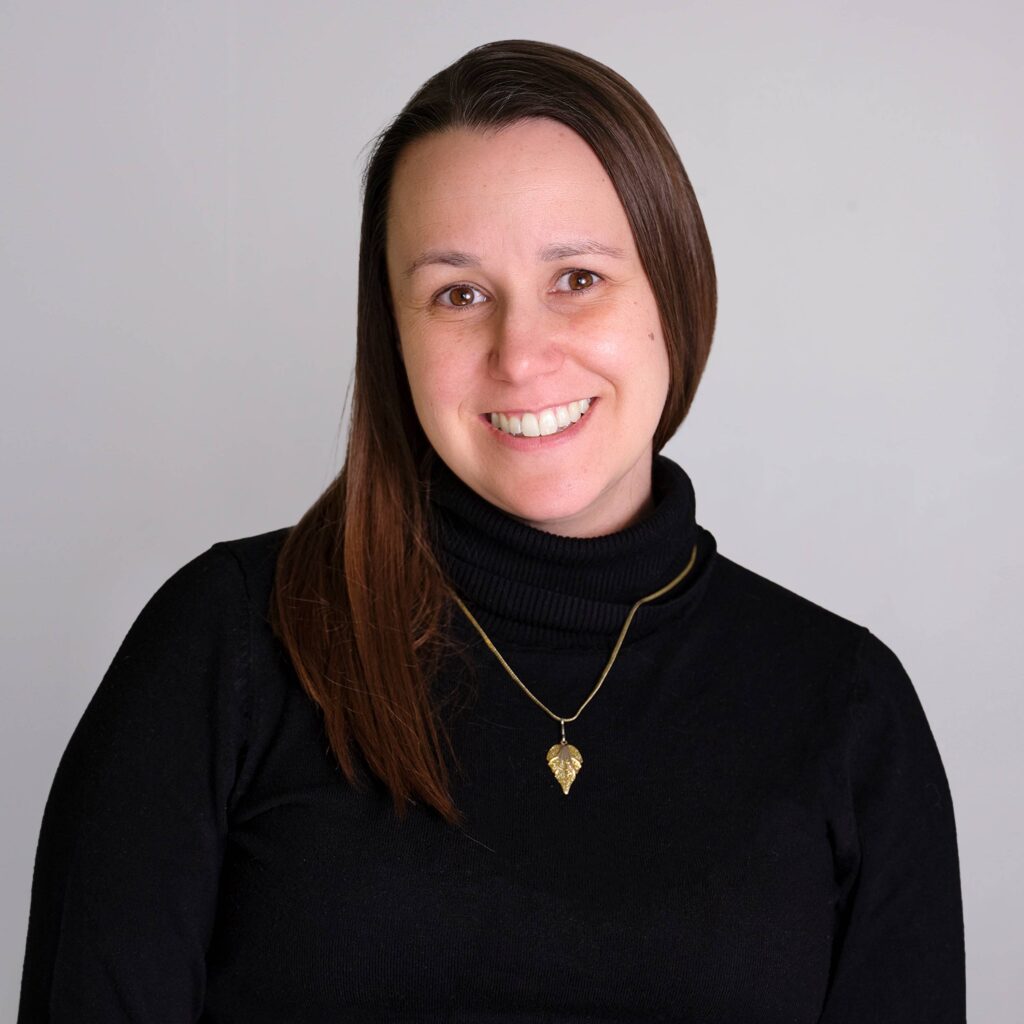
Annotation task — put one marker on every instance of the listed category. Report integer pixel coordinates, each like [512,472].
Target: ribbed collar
[533,587]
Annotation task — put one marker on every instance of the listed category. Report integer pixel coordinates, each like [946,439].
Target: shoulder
[808,664]
[805,648]
[768,616]
[812,651]
[254,558]
[212,593]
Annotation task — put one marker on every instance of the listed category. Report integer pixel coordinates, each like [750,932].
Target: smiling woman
[495,732]
[529,332]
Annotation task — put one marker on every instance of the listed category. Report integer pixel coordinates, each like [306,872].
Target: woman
[495,732]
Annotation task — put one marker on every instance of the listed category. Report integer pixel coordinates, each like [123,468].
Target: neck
[537,586]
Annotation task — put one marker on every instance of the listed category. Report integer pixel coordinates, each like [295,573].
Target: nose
[526,342]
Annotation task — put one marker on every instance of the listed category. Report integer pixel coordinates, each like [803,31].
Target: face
[519,294]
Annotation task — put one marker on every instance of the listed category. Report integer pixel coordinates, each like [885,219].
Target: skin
[529,332]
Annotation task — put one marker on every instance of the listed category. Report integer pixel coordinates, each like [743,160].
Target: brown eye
[578,281]
[460,295]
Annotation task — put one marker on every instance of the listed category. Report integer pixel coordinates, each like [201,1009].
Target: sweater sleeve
[898,953]
[126,872]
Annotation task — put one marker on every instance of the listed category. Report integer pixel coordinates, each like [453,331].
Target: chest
[687,876]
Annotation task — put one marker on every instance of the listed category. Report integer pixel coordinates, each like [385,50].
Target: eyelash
[570,291]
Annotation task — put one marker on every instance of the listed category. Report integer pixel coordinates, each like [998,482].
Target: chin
[546,506]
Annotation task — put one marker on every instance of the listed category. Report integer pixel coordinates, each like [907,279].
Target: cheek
[603,336]
[659,358]
[627,344]
[435,380]
[652,353]
[658,373]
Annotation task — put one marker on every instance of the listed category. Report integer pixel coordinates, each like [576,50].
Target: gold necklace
[563,758]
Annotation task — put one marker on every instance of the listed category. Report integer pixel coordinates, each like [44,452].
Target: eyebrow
[549,253]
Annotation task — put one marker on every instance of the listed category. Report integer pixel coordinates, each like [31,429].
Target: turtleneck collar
[533,587]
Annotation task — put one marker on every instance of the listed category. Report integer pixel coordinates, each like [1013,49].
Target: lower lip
[532,444]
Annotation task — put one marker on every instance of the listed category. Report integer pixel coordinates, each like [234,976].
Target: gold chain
[564,759]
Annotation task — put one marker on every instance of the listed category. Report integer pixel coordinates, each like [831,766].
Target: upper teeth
[547,421]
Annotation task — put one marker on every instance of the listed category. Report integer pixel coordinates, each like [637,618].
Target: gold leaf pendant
[565,762]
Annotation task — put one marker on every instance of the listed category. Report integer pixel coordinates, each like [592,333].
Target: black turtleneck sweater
[761,830]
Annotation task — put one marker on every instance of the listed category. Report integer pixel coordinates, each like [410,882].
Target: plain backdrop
[178,241]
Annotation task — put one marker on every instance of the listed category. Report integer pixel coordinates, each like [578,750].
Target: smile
[552,420]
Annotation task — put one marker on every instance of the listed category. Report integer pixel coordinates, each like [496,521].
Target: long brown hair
[359,598]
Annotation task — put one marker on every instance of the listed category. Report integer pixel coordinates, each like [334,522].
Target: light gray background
[178,244]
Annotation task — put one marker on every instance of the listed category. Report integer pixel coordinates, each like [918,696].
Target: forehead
[533,174]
